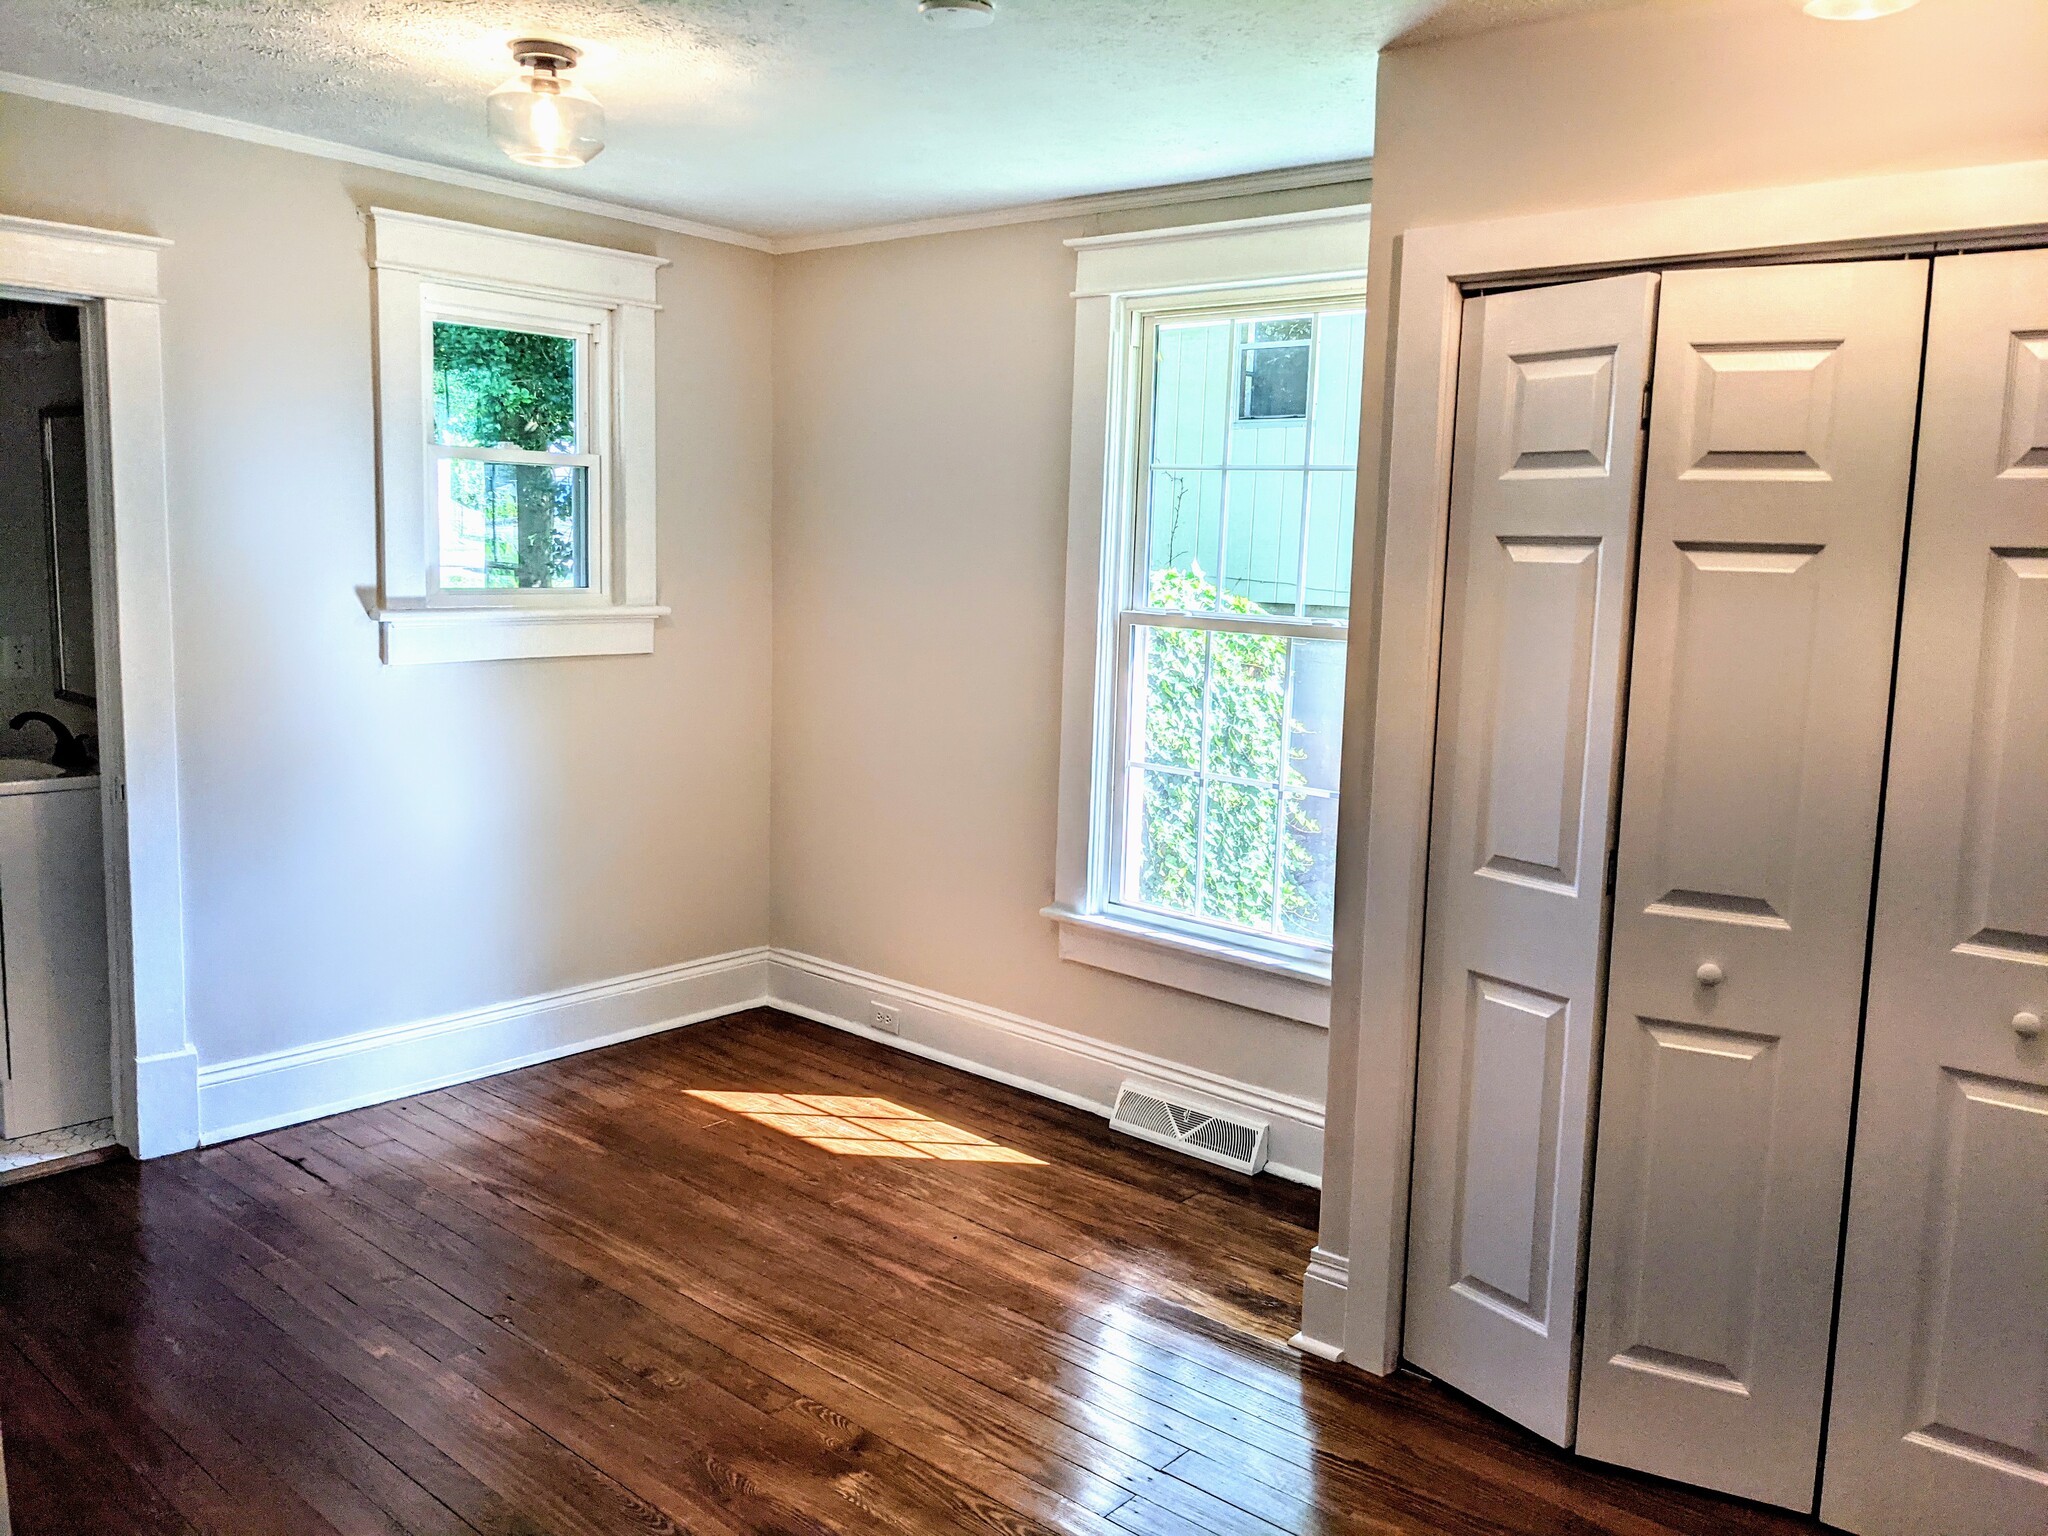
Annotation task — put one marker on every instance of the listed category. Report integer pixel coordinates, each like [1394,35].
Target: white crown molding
[370,159]
[1285,179]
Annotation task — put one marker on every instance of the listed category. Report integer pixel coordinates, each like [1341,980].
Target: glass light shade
[1855,10]
[539,118]
[957,15]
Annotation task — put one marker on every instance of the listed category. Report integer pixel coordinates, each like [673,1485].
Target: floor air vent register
[1200,1130]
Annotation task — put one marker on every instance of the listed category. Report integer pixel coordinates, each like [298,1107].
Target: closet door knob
[1711,975]
[2026,1025]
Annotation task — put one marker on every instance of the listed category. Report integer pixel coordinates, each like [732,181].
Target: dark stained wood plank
[579,1299]
[52,1460]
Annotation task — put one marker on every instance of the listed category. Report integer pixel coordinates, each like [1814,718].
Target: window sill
[419,636]
[1266,983]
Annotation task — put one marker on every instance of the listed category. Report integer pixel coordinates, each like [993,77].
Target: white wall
[922,422]
[365,845]
[1657,101]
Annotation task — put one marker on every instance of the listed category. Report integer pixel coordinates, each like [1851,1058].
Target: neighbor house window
[515,417]
[1199,814]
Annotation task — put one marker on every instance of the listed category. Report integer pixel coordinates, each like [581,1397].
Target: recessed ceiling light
[539,116]
[957,15]
[1855,10]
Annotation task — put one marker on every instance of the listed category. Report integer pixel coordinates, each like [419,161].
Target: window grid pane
[1244,514]
[512,526]
[1229,777]
[495,387]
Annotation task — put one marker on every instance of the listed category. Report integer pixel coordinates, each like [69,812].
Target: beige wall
[923,391]
[1661,100]
[367,845]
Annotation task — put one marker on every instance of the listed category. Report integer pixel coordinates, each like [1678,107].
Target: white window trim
[1120,279]
[426,267]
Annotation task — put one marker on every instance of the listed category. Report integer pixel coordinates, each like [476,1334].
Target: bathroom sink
[20,770]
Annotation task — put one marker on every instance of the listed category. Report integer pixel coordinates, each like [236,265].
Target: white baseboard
[1039,1058]
[260,1093]
[166,1104]
[1323,1290]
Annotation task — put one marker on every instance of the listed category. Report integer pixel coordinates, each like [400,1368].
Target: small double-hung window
[1199,812]
[515,380]
[515,423]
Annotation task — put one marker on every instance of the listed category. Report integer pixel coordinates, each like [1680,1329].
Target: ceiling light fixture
[539,117]
[957,15]
[1855,10]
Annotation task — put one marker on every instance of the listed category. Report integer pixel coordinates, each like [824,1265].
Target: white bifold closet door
[1940,1412]
[1773,524]
[1543,517]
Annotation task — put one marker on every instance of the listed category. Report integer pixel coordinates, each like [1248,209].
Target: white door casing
[1774,510]
[1940,1409]
[1536,631]
[155,1068]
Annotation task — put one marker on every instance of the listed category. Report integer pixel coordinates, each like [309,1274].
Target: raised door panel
[1722,818]
[1542,530]
[1549,592]
[1986,1236]
[1940,1417]
[1773,523]
[2003,877]
[1702,1180]
[1506,1139]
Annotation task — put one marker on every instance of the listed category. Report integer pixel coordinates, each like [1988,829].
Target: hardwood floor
[619,1294]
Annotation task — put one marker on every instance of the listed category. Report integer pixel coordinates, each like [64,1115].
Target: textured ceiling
[783,117]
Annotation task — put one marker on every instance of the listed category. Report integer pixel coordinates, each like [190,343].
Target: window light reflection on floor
[857,1125]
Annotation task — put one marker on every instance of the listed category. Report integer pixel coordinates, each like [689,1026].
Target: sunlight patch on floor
[857,1125]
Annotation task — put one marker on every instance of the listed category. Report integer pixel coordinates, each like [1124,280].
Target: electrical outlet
[885,1017]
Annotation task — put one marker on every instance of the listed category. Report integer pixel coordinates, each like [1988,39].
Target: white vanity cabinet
[53,957]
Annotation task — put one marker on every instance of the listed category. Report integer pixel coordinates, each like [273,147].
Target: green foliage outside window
[1246,680]
[496,388]
[504,389]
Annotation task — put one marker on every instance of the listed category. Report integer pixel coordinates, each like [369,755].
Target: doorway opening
[56,1010]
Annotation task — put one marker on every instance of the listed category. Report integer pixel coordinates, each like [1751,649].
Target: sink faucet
[72,753]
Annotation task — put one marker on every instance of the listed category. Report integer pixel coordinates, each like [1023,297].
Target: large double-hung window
[1202,849]
[1233,696]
